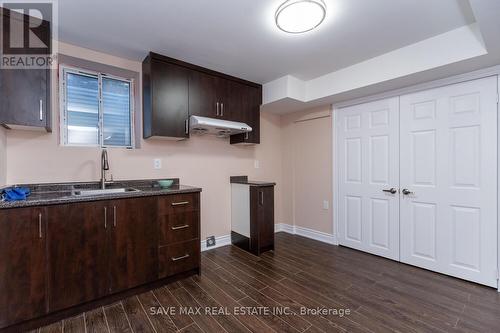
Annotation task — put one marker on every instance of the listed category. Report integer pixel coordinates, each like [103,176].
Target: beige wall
[205,161]
[3,157]
[295,152]
[307,169]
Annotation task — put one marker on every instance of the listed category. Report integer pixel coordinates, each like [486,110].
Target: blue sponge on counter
[15,194]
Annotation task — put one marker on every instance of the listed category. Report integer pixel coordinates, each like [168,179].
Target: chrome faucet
[104,168]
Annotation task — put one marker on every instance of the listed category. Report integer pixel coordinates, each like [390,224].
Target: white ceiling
[239,37]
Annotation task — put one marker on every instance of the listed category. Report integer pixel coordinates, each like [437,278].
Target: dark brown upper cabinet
[166,100]
[23,268]
[245,107]
[203,96]
[169,100]
[25,98]
[25,95]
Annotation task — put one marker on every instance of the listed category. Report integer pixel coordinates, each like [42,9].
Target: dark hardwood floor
[382,296]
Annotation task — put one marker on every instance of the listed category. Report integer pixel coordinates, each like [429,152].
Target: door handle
[114,216]
[407,191]
[392,190]
[222,109]
[261,198]
[186,124]
[105,218]
[217,108]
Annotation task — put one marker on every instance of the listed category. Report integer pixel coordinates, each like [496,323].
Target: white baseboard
[279,227]
[306,232]
[219,242]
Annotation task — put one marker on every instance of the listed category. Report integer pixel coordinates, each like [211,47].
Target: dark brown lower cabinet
[179,257]
[132,243]
[78,258]
[262,217]
[61,259]
[23,269]
[179,243]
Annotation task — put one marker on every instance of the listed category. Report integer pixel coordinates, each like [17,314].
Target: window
[97,109]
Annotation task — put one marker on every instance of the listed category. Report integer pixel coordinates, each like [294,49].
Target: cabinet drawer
[179,227]
[179,203]
[178,258]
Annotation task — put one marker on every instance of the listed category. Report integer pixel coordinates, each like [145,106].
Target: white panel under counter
[240,209]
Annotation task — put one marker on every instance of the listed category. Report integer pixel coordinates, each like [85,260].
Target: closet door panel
[449,164]
[368,152]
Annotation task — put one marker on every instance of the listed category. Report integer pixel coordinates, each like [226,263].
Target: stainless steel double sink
[108,191]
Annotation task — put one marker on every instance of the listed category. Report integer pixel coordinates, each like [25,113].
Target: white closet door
[449,161]
[368,152]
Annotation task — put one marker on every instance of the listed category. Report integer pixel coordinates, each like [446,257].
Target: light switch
[256,164]
[157,163]
[326,205]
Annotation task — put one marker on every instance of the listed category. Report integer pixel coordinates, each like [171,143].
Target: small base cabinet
[252,215]
[60,260]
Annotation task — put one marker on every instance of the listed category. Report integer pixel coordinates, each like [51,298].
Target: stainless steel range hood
[218,127]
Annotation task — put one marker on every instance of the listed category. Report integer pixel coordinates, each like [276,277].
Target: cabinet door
[266,217]
[25,97]
[245,107]
[133,245]
[170,97]
[203,95]
[225,89]
[236,104]
[78,261]
[22,265]
[261,218]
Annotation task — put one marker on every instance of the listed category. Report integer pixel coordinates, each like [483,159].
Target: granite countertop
[62,193]
[244,180]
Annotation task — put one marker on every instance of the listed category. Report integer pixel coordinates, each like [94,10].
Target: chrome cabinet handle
[114,216]
[186,125]
[181,227]
[246,136]
[391,190]
[217,108]
[40,235]
[222,109]
[180,258]
[41,110]
[182,203]
[261,198]
[105,218]
[407,191]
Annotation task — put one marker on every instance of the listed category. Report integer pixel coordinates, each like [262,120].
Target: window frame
[63,122]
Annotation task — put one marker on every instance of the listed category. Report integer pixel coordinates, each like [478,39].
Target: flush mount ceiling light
[298,16]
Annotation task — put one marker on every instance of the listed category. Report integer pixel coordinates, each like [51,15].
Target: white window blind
[98,109]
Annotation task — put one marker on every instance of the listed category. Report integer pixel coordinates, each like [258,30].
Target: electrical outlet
[326,204]
[157,163]
[256,164]
[210,241]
